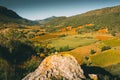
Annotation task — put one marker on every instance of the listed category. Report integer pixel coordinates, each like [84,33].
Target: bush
[3,69]
[85,60]
[31,65]
[105,48]
[45,50]
[14,47]
[63,35]
[66,48]
[92,51]
[31,35]
[41,34]
[35,31]
[87,29]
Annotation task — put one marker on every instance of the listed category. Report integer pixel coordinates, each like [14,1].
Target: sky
[41,9]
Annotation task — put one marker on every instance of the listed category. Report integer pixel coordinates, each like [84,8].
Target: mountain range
[107,17]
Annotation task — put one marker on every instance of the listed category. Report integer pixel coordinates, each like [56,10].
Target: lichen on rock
[62,66]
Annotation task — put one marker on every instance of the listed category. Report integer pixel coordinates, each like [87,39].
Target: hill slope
[8,13]
[46,20]
[9,17]
[106,17]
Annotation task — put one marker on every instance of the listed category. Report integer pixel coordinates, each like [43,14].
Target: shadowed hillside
[9,17]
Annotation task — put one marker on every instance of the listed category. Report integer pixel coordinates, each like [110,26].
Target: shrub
[41,34]
[85,60]
[45,50]
[31,35]
[63,35]
[35,31]
[105,48]
[113,33]
[92,51]
[65,48]
[3,69]
[32,64]
[14,47]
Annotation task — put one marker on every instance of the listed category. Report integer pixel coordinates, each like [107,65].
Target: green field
[71,41]
[112,42]
[106,58]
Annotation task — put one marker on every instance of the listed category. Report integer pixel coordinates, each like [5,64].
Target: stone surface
[63,66]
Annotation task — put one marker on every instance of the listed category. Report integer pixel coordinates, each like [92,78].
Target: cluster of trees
[18,55]
[45,49]
[15,49]
[104,48]
[65,48]
[87,29]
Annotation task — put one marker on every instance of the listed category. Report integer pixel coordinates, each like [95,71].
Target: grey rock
[62,66]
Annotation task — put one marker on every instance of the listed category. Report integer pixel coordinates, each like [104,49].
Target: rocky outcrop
[60,66]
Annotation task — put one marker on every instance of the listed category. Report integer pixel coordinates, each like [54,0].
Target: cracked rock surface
[60,66]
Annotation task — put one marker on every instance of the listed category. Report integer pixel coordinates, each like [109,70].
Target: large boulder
[60,66]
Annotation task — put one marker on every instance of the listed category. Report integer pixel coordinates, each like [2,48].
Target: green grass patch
[112,42]
[106,58]
[71,41]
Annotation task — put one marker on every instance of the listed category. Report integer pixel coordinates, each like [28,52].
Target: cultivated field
[71,41]
[106,58]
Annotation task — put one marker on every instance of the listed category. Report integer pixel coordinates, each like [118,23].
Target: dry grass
[43,38]
[102,37]
[81,52]
[70,32]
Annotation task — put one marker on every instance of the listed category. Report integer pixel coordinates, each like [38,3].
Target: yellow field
[81,52]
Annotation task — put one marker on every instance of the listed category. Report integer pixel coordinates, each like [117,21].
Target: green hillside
[106,17]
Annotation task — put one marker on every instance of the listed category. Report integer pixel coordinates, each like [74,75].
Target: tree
[14,47]
[4,68]
[92,51]
[105,48]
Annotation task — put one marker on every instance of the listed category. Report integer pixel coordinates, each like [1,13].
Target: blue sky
[40,9]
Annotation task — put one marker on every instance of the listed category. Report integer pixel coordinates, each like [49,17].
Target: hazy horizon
[41,9]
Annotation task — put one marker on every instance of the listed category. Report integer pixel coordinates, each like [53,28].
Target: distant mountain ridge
[9,13]
[9,17]
[106,17]
[43,21]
